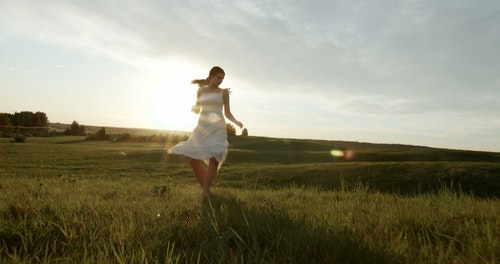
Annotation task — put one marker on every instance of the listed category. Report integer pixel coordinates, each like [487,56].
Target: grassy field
[69,200]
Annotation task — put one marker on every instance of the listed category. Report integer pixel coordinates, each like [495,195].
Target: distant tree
[231,131]
[22,118]
[28,119]
[24,122]
[123,137]
[244,132]
[5,124]
[75,129]
[40,119]
[101,134]
[5,119]
[11,117]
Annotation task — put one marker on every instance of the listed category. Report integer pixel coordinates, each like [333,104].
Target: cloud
[382,59]
[328,46]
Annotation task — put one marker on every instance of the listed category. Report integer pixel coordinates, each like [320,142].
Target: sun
[171,109]
[171,95]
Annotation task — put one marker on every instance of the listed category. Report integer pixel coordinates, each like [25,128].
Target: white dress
[209,137]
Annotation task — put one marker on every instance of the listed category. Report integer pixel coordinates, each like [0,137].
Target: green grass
[67,200]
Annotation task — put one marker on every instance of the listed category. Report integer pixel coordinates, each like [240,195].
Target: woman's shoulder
[219,90]
[226,91]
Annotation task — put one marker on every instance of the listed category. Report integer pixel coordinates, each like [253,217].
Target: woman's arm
[227,109]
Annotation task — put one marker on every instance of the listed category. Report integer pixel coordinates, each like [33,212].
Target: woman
[208,141]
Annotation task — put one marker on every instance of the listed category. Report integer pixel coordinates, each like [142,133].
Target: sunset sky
[403,71]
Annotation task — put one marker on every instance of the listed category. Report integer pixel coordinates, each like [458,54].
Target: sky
[393,71]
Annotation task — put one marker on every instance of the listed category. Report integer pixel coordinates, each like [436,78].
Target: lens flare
[337,153]
[213,118]
[347,154]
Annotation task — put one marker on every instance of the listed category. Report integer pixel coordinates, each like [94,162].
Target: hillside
[266,149]
[116,130]
[282,150]
[66,198]
[280,162]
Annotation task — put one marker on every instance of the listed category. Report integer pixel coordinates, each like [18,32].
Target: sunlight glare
[347,154]
[337,153]
[213,118]
[172,95]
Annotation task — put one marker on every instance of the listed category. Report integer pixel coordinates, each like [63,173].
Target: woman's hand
[238,123]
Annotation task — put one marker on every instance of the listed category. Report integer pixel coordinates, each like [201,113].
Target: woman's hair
[213,72]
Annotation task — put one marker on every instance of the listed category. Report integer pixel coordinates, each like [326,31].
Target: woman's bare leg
[213,164]
[198,169]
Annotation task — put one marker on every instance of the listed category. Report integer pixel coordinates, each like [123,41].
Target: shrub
[231,131]
[122,137]
[20,138]
[75,130]
[99,135]
[244,132]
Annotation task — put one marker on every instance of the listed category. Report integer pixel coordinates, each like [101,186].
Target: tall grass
[134,221]
[67,200]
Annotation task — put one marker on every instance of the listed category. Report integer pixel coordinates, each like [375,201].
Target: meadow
[70,200]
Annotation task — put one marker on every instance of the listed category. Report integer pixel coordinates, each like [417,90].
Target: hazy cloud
[366,58]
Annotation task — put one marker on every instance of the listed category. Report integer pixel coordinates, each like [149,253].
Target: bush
[75,130]
[122,137]
[20,138]
[99,135]
[231,131]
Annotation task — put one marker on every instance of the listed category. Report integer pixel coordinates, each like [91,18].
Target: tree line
[29,123]
[24,119]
